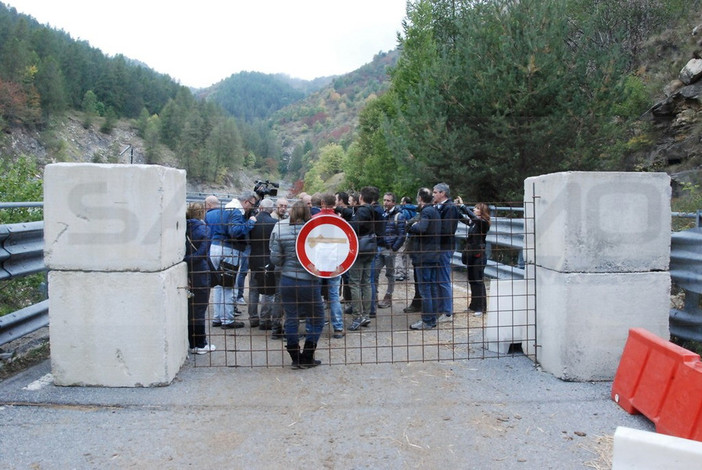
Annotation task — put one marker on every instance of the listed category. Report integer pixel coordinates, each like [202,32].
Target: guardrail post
[114,244]
[602,251]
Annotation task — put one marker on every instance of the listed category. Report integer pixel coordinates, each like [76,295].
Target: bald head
[211,202]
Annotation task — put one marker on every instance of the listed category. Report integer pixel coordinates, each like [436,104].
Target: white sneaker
[204,350]
[420,325]
[443,318]
[241,301]
[477,313]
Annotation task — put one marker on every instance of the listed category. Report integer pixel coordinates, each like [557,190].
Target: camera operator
[473,256]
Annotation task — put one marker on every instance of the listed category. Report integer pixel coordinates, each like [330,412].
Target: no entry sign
[326,246]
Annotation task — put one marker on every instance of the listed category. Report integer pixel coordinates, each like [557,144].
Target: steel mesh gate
[506,329]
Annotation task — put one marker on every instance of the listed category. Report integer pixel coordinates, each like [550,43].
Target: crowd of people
[256,235]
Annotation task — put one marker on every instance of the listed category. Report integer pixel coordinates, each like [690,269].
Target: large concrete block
[118,329]
[583,319]
[113,217]
[599,222]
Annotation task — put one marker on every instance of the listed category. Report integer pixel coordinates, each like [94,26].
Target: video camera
[265,188]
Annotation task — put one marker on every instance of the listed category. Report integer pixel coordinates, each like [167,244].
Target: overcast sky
[200,43]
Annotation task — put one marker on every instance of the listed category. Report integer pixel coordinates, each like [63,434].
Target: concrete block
[511,309]
[118,329]
[583,319]
[641,450]
[113,217]
[599,221]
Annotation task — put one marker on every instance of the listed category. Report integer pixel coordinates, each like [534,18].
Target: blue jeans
[335,311]
[375,275]
[302,299]
[445,287]
[223,297]
[429,289]
[243,271]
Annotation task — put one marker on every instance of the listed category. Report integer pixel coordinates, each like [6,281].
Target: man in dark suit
[259,283]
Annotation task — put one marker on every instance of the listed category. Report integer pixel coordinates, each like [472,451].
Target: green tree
[90,108]
[370,161]
[110,121]
[190,145]
[511,91]
[21,182]
[50,85]
[152,137]
[223,148]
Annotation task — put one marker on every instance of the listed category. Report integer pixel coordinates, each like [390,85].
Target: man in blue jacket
[229,230]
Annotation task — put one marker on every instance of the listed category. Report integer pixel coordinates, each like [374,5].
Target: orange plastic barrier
[663,382]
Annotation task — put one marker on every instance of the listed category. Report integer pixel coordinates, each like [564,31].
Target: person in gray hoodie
[300,291]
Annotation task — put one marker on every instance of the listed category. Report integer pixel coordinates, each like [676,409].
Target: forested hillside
[252,96]
[45,73]
[486,94]
[478,94]
[330,115]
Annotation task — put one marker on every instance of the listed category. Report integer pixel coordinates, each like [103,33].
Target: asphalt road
[475,414]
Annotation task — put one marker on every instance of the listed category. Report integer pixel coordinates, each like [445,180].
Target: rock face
[677,121]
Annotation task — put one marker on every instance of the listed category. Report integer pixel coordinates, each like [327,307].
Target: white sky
[200,43]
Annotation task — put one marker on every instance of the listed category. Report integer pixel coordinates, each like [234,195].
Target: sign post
[327,246]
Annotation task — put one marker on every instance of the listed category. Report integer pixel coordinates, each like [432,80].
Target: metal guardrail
[686,272]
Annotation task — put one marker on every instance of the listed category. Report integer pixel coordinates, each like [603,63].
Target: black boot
[307,359]
[277,332]
[294,351]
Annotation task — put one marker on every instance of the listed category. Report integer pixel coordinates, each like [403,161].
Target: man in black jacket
[258,259]
[364,224]
[425,238]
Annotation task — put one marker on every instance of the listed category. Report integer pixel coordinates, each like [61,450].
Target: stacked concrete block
[600,244]
[114,244]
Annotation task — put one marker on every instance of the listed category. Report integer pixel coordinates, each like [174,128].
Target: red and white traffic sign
[326,246]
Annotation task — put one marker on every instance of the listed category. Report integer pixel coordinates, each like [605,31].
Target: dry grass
[604,449]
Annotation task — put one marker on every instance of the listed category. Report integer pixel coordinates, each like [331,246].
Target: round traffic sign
[327,246]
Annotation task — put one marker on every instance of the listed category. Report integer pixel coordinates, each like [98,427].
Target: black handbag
[265,280]
[228,272]
[215,276]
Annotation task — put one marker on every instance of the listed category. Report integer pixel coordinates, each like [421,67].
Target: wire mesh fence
[506,328]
